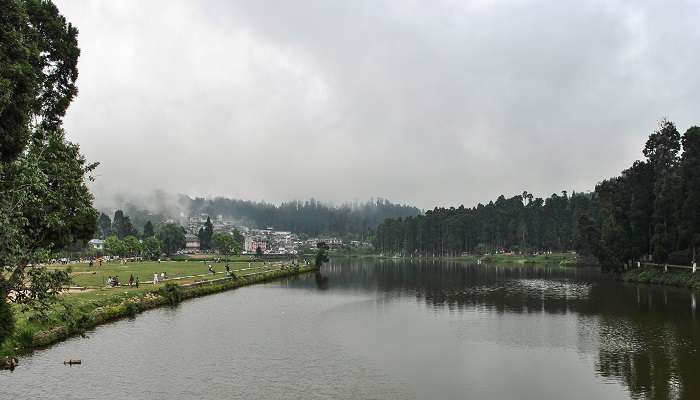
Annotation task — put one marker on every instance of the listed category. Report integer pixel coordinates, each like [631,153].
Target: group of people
[113,281]
[159,277]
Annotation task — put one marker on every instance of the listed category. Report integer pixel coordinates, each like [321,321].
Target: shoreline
[125,307]
[653,276]
[563,259]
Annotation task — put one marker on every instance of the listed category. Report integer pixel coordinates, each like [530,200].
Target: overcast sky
[422,102]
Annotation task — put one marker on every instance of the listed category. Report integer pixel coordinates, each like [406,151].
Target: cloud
[432,103]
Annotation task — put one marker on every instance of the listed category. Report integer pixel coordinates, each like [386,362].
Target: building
[97,244]
[191,242]
[252,244]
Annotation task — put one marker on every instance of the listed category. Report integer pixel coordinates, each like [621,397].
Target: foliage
[45,205]
[225,244]
[172,292]
[150,248]
[104,226]
[122,226]
[172,238]
[148,229]
[114,246]
[205,235]
[7,321]
[321,254]
[132,245]
[521,222]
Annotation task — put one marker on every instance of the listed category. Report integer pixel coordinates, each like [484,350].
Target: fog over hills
[427,103]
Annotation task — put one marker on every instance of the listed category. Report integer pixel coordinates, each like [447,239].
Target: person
[131,280]
[91,264]
[155,278]
[162,276]
[100,262]
[109,281]
[13,363]
[211,270]
[115,281]
[137,281]
[228,269]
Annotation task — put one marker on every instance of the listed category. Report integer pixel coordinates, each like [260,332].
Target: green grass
[83,275]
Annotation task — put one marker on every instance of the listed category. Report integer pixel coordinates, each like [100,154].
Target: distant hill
[310,217]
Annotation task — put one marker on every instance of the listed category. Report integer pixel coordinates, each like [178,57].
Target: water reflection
[646,337]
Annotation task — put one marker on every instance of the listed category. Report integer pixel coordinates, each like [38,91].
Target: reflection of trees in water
[321,280]
[653,349]
[648,337]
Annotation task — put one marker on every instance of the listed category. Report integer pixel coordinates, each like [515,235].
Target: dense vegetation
[652,211]
[44,202]
[521,222]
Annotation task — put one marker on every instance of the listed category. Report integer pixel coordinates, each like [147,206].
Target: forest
[651,212]
[310,217]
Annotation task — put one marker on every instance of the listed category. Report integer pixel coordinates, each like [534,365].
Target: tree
[662,152]
[44,202]
[205,235]
[259,252]
[239,239]
[150,248]
[104,225]
[121,225]
[148,229]
[172,237]
[321,254]
[690,174]
[132,246]
[115,246]
[225,244]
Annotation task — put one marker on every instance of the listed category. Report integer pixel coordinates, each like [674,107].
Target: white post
[695,266]
[665,268]
[638,264]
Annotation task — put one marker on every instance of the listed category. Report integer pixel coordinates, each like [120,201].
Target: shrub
[25,338]
[7,321]
[172,292]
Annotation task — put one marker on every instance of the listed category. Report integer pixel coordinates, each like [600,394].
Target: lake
[389,329]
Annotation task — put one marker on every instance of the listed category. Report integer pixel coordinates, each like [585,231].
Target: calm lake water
[391,330]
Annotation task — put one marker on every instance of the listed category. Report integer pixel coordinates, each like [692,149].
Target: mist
[428,103]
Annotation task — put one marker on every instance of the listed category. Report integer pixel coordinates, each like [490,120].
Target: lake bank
[656,276]
[563,259]
[78,313]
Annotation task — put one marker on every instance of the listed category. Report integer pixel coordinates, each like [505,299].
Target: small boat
[72,362]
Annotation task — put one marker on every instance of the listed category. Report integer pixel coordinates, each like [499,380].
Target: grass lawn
[96,277]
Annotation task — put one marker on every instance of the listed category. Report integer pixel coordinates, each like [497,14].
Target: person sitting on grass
[211,270]
[131,280]
[137,282]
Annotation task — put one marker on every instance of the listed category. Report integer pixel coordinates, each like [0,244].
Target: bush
[7,321]
[25,338]
[131,308]
[172,292]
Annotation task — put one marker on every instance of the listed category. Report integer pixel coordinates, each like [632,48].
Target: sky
[431,103]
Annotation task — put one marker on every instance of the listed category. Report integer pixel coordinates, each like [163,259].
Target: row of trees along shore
[650,212]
